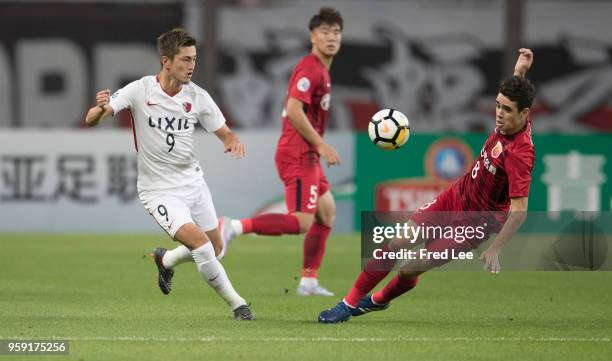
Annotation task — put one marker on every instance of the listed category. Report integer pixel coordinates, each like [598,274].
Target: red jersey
[310,83]
[502,171]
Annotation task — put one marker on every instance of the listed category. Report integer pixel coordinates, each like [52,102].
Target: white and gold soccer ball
[389,129]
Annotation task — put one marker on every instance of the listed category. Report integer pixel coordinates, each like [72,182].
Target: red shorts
[304,184]
[446,210]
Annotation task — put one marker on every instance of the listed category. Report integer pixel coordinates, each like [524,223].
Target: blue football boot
[339,313]
[367,305]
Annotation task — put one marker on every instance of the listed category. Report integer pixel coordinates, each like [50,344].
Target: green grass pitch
[101,294]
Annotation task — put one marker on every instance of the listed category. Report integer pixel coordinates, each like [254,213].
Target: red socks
[366,281]
[271,224]
[374,272]
[395,288]
[314,249]
[275,224]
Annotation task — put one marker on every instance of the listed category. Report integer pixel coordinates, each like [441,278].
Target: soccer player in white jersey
[165,109]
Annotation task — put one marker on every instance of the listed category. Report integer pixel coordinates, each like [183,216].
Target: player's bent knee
[326,209]
[413,268]
[409,274]
[412,278]
[191,236]
[305,220]
[327,219]
[214,235]
[305,225]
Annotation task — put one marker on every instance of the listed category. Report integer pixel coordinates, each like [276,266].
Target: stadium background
[73,233]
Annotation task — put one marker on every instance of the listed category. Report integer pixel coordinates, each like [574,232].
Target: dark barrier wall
[437,61]
[53,56]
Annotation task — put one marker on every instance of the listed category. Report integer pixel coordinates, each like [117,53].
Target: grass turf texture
[100,293]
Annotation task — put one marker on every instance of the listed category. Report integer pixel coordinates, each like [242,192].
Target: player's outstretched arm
[231,142]
[101,110]
[518,213]
[523,63]
[299,120]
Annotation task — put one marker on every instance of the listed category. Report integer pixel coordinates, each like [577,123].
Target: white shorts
[176,207]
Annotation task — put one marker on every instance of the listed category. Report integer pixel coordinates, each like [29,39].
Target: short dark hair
[326,15]
[519,90]
[170,42]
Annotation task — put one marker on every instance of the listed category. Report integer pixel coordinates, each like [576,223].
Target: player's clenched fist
[99,111]
[103,97]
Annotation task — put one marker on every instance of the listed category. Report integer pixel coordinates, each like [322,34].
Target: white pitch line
[320,339]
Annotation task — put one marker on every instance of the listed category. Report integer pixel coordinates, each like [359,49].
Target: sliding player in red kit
[496,188]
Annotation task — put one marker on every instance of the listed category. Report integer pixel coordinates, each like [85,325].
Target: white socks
[309,282]
[174,257]
[214,274]
[182,254]
[237,226]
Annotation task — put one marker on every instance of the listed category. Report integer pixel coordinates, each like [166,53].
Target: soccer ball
[389,129]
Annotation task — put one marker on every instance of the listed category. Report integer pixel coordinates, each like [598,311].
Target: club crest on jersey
[497,150]
[187,107]
[325,101]
[303,84]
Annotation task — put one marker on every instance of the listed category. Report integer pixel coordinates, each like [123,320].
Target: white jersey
[163,130]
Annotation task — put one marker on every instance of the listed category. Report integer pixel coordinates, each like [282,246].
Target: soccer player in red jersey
[311,206]
[310,203]
[497,186]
